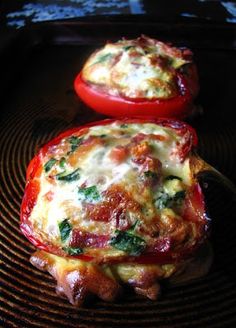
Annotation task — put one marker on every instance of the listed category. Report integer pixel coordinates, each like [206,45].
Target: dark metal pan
[38,102]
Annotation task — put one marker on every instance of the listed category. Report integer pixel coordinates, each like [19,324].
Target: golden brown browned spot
[77,279]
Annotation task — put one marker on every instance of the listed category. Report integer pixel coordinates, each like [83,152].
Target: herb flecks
[48,166]
[124,126]
[73,176]
[103,58]
[172,177]
[128,242]
[74,142]
[126,48]
[167,201]
[65,229]
[89,194]
[73,250]
[62,162]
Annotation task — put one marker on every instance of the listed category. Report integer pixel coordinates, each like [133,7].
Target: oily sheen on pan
[116,202]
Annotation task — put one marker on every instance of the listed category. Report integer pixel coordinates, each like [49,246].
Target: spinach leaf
[75,142]
[166,201]
[62,162]
[126,48]
[47,166]
[172,177]
[89,194]
[73,250]
[103,58]
[69,177]
[179,196]
[163,201]
[124,126]
[128,242]
[65,229]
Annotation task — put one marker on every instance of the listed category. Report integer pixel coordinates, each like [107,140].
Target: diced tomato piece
[49,195]
[119,154]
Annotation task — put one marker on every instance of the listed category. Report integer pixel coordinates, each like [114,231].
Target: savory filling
[139,68]
[115,191]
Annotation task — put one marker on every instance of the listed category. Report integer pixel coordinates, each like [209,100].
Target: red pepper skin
[194,211]
[178,107]
[194,207]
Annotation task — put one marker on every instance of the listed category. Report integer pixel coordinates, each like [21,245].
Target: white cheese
[98,169]
[136,69]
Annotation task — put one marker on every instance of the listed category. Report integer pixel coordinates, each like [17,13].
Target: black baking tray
[38,65]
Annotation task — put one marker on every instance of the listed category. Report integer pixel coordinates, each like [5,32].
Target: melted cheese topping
[140,68]
[113,190]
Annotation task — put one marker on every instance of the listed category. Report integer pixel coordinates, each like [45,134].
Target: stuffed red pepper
[141,77]
[113,202]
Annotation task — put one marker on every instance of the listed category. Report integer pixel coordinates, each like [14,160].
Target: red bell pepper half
[194,205]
